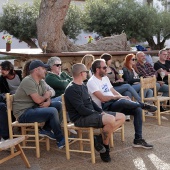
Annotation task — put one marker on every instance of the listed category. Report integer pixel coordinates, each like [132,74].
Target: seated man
[105,96]
[32,103]
[146,70]
[164,65]
[85,113]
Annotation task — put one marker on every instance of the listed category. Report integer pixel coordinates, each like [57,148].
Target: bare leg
[111,123]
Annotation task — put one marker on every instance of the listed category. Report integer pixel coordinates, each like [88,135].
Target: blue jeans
[164,89]
[49,115]
[56,102]
[147,93]
[4,131]
[127,90]
[128,108]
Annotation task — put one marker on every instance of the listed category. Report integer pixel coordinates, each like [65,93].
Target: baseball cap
[37,63]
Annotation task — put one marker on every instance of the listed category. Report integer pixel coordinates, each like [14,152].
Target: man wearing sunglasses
[107,98]
[55,78]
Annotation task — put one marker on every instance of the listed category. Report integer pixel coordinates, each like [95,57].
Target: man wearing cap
[85,113]
[32,103]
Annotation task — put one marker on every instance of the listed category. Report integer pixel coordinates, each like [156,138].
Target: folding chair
[81,139]
[25,129]
[14,143]
[150,83]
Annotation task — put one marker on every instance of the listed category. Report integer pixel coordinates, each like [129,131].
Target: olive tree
[109,17]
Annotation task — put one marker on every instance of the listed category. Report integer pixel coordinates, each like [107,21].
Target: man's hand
[45,104]
[161,83]
[47,94]
[126,97]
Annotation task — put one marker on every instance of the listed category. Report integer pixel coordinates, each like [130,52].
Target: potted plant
[8,39]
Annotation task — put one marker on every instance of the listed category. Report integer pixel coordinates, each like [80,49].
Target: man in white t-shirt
[106,97]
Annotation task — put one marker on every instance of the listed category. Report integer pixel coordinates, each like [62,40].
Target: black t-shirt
[165,66]
[78,102]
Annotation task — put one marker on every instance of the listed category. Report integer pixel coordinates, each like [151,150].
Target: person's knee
[109,120]
[120,116]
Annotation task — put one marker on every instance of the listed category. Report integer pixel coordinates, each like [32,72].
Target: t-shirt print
[105,88]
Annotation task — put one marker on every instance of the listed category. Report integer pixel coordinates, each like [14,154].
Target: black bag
[118,83]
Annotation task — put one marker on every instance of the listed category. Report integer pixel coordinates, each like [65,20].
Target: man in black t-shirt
[163,66]
[85,113]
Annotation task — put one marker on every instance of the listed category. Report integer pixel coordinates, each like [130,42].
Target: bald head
[78,68]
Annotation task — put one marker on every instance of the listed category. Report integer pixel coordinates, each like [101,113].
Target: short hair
[51,61]
[139,52]
[106,57]
[160,51]
[96,64]
[7,65]
[77,69]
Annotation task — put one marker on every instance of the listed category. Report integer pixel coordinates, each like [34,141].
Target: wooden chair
[14,143]
[147,83]
[81,138]
[28,129]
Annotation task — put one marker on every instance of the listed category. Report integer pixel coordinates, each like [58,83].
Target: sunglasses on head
[57,65]
[133,59]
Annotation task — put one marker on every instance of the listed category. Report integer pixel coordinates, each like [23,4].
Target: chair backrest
[9,100]
[169,83]
[64,112]
[148,83]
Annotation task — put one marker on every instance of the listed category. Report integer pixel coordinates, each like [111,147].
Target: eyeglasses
[133,59]
[104,68]
[85,72]
[57,65]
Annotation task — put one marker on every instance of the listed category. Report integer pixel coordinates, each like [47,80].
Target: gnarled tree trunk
[49,25]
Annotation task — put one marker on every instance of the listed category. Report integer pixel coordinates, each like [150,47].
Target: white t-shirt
[94,84]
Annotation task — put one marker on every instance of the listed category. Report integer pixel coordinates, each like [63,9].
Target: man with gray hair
[85,113]
[55,78]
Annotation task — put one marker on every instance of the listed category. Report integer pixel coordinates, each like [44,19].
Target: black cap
[37,63]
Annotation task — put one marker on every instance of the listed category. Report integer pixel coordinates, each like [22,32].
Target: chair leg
[24,158]
[123,133]
[37,142]
[158,113]
[67,144]
[80,135]
[23,132]
[92,146]
[143,116]
[47,142]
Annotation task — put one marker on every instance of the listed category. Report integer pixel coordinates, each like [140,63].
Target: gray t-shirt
[22,98]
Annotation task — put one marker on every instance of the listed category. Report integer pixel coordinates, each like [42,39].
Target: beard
[102,74]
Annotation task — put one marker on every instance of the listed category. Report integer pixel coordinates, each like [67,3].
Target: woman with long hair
[87,60]
[131,75]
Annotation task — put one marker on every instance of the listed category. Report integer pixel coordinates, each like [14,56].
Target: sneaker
[127,118]
[141,143]
[149,114]
[148,107]
[105,156]
[48,134]
[61,144]
[72,131]
[98,144]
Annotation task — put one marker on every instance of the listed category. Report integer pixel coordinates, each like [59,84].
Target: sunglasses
[104,68]
[133,59]
[57,65]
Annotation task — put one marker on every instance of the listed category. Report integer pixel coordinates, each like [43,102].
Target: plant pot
[8,47]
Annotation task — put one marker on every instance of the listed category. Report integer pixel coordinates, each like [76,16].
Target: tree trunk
[30,43]
[50,23]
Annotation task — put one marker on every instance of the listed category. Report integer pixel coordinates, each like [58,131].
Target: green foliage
[72,24]
[20,20]
[109,17]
